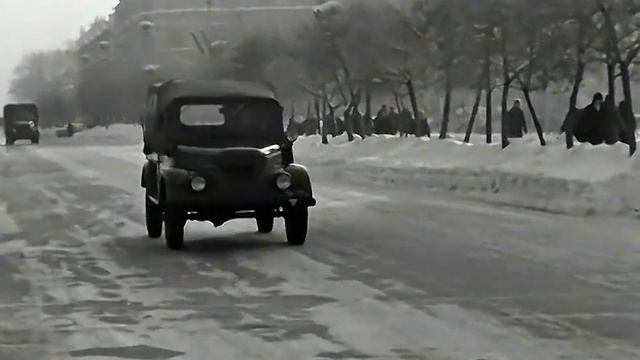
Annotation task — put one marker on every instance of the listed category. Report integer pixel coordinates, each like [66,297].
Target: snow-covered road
[387,274]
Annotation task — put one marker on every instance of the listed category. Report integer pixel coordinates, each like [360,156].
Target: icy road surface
[387,274]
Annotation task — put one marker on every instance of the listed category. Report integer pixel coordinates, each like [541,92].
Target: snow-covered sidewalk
[585,180]
[581,181]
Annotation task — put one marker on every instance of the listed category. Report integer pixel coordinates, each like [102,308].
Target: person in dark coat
[382,122]
[407,125]
[394,118]
[330,123]
[628,125]
[516,125]
[70,129]
[358,125]
[422,127]
[587,128]
[340,125]
[628,120]
[610,127]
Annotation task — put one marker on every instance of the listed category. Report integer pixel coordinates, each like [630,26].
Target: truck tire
[296,222]
[9,141]
[153,217]
[265,222]
[174,223]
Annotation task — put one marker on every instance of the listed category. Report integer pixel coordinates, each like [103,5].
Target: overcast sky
[31,25]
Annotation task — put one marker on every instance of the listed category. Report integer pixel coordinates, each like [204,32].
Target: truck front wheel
[174,223]
[153,216]
[296,222]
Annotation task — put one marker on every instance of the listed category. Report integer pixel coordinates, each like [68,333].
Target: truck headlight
[198,183]
[283,181]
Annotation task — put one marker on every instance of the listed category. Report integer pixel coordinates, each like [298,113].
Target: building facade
[146,41]
[160,35]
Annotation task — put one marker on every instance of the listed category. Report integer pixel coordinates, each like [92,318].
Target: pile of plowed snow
[584,180]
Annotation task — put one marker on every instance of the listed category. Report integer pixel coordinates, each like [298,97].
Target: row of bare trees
[449,49]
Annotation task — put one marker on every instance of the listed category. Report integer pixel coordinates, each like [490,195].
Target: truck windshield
[21,116]
[250,123]
[202,115]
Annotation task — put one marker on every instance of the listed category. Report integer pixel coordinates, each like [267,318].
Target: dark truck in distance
[21,123]
[216,152]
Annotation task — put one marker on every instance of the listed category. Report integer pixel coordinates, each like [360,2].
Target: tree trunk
[447,105]
[489,100]
[358,121]
[534,116]
[569,121]
[324,107]
[626,88]
[321,119]
[348,122]
[416,112]
[577,83]
[332,119]
[506,86]
[349,114]
[626,84]
[368,116]
[489,117]
[310,114]
[396,97]
[611,79]
[503,113]
[474,114]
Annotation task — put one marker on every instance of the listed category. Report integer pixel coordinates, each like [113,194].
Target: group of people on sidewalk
[390,121]
[602,122]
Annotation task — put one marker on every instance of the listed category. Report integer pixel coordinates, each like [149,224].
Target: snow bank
[585,180]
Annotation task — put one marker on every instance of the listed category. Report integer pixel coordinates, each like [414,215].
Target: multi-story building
[149,40]
[158,35]
[161,39]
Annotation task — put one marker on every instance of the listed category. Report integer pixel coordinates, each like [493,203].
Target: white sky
[31,25]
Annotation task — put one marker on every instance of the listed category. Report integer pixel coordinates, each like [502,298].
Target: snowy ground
[388,273]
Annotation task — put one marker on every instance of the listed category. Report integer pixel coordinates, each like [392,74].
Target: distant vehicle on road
[21,123]
[216,152]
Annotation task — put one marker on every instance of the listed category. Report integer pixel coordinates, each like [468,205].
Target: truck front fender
[300,179]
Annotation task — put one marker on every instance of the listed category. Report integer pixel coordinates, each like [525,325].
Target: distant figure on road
[70,129]
[516,125]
